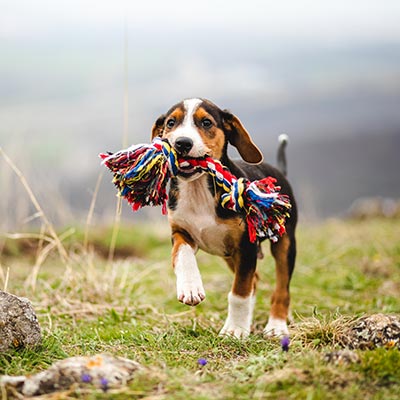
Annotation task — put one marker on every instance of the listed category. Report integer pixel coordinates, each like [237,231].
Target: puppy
[195,128]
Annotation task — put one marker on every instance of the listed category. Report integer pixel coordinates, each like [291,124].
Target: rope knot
[169,153]
[234,199]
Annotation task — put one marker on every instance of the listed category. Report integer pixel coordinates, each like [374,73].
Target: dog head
[198,128]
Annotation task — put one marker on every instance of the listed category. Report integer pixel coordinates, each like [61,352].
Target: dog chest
[195,213]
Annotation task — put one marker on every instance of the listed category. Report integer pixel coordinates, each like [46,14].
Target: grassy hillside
[127,306]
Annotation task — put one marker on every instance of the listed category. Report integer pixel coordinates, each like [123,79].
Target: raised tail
[282,164]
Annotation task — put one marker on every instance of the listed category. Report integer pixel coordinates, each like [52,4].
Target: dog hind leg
[284,252]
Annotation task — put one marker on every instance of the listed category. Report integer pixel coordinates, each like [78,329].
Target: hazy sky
[328,21]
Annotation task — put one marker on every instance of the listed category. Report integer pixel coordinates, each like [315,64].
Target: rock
[341,357]
[19,326]
[100,371]
[371,331]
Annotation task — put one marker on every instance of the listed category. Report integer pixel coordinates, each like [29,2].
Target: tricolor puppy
[195,128]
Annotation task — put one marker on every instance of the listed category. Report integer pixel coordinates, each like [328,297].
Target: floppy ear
[239,137]
[157,129]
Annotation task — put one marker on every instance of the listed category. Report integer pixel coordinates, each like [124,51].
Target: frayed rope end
[141,174]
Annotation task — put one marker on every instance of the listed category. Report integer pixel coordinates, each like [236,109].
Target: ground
[88,304]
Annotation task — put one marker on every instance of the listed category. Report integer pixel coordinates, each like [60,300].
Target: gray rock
[371,331]
[100,371]
[19,326]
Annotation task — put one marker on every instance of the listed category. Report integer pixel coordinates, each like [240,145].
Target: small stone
[19,326]
[341,357]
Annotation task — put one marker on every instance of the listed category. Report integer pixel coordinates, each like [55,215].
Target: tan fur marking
[179,115]
[213,138]
[179,239]
[235,228]
[243,286]
[163,130]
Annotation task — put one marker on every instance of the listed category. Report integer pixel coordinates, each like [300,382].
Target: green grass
[129,308]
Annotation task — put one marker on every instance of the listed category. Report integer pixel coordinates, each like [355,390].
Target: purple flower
[104,384]
[285,343]
[86,378]
[202,362]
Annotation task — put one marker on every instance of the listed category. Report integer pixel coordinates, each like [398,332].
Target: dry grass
[48,225]
[322,330]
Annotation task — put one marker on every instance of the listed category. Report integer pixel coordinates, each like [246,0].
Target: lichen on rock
[19,326]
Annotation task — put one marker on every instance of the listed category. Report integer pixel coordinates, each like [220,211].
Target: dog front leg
[189,285]
[241,298]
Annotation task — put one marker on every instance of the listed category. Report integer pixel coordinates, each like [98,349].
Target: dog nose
[183,145]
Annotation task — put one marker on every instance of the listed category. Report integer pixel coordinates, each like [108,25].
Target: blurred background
[74,75]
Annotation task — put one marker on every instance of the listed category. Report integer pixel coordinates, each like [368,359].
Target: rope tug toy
[141,174]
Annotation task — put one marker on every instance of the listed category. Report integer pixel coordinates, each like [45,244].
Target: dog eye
[171,123]
[206,123]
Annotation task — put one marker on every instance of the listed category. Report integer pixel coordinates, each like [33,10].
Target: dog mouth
[191,166]
[188,170]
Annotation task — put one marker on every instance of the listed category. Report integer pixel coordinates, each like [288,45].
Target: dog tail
[282,164]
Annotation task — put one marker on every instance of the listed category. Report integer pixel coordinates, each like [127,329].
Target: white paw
[240,316]
[189,286]
[276,327]
[190,293]
[234,330]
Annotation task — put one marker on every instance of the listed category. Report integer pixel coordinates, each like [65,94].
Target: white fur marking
[276,327]
[189,286]
[196,214]
[188,129]
[190,107]
[240,316]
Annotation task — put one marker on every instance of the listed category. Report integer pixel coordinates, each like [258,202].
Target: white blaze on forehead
[188,129]
[190,107]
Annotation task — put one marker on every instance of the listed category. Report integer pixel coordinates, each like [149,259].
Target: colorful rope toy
[141,174]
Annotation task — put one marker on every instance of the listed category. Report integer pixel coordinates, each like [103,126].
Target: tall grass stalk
[4,277]
[61,249]
[117,217]
[41,256]
[91,212]
[115,231]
